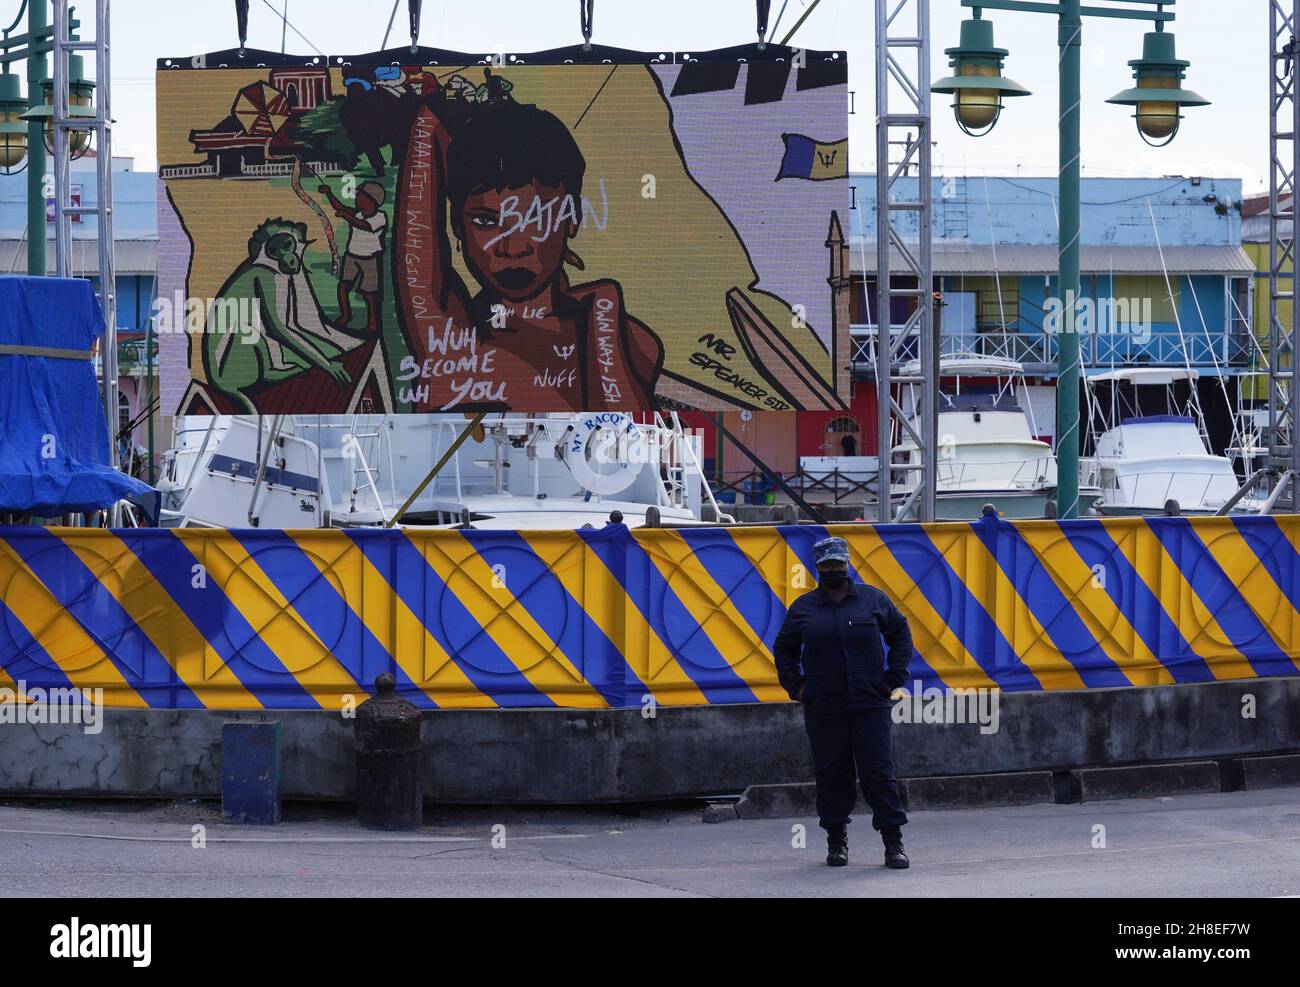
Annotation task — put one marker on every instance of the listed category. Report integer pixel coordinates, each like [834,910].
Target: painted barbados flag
[813,160]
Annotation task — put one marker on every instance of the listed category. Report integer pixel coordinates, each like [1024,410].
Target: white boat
[1144,461]
[513,471]
[987,452]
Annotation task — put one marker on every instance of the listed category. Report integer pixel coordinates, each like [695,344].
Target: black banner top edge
[573,54]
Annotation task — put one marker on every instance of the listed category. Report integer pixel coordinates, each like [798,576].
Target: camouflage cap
[830,550]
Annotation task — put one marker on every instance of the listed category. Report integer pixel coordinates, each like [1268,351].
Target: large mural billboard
[373,236]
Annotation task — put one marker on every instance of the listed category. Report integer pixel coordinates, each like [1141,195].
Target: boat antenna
[993,242]
[1238,428]
[779,15]
[799,23]
[1195,399]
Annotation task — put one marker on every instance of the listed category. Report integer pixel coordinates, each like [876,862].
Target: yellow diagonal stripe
[506,620]
[986,581]
[1157,568]
[933,639]
[7,682]
[588,579]
[158,617]
[58,632]
[1248,574]
[389,619]
[276,622]
[749,657]
[1093,604]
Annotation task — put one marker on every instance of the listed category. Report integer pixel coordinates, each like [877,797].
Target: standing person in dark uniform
[829,656]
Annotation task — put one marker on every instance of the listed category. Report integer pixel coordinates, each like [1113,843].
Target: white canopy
[1140,376]
[968,366]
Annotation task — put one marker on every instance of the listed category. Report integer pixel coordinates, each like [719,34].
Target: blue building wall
[999,211]
[1021,210]
[135,217]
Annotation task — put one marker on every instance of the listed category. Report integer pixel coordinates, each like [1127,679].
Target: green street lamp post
[27,123]
[13,131]
[977,85]
[81,92]
[978,88]
[38,25]
[1159,91]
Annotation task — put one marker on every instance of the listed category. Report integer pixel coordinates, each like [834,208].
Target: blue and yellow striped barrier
[247,619]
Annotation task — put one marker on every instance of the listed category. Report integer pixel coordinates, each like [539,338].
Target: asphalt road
[1236,844]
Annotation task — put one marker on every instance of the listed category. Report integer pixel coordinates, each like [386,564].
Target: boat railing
[1129,484]
[1033,346]
[1004,344]
[834,483]
[1089,472]
[1016,474]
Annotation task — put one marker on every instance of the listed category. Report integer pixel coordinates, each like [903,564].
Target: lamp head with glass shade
[1159,94]
[977,83]
[13,132]
[81,93]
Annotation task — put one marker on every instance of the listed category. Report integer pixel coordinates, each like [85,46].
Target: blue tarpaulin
[54,454]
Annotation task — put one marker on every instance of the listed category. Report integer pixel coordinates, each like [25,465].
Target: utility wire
[291,27]
[780,13]
[388,30]
[799,23]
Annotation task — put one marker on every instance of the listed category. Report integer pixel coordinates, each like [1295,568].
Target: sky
[1227,42]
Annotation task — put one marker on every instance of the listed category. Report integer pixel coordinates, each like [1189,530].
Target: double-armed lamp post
[978,89]
[27,122]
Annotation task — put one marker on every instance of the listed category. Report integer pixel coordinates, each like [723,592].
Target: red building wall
[810,435]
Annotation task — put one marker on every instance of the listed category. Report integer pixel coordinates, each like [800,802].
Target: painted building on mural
[1164,276]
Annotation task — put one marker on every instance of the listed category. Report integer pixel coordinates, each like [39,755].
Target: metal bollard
[390,791]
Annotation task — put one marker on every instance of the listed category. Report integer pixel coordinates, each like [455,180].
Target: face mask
[833,580]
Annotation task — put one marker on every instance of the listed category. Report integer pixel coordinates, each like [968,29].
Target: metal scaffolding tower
[900,29]
[1284,165]
[100,125]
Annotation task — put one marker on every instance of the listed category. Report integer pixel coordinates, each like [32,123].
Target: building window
[997,301]
[1137,290]
[998,310]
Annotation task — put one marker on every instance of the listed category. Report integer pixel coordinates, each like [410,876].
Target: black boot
[837,845]
[894,855]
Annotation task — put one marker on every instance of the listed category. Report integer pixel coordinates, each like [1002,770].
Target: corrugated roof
[129,256]
[952,258]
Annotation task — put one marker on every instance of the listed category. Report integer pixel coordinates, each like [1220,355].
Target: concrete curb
[952,792]
[1265,772]
[1144,780]
[1038,787]
[977,791]
[578,756]
[716,812]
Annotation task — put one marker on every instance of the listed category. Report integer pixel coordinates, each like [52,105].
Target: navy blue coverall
[830,657]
